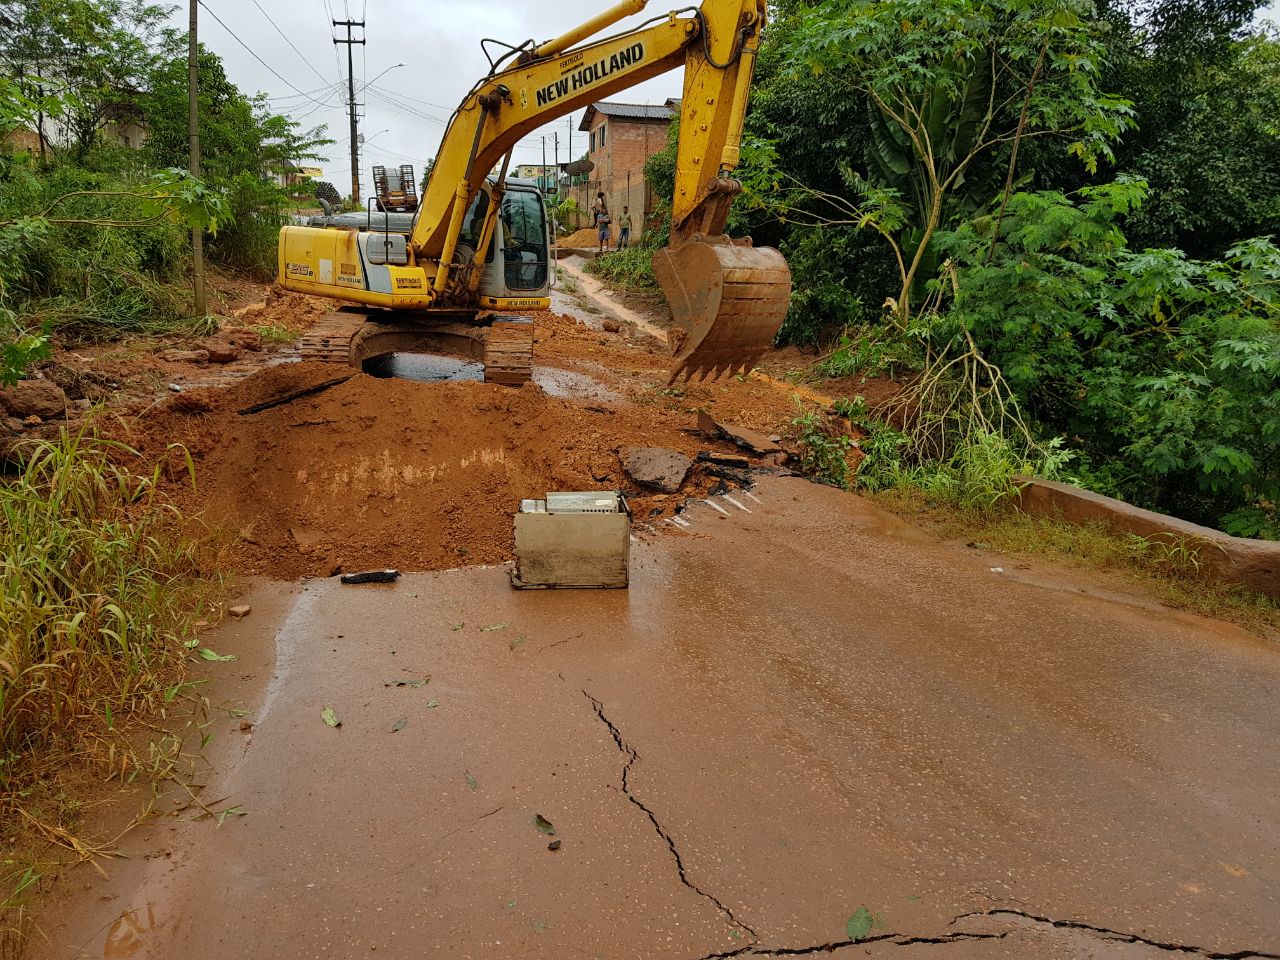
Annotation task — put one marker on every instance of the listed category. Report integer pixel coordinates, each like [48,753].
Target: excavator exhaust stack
[727,299]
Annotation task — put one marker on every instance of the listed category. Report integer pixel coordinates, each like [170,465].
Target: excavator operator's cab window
[524,228]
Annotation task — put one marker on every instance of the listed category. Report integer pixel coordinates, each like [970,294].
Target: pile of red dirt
[295,312]
[586,237]
[393,473]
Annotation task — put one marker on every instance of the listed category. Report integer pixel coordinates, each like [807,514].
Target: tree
[948,85]
[95,53]
[243,149]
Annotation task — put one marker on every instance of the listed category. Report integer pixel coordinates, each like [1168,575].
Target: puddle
[424,367]
[571,386]
[128,935]
[436,368]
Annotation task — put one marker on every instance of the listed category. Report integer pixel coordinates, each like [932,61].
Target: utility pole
[351,101]
[193,101]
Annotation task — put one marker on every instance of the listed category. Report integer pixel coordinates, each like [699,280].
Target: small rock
[611,326]
[244,339]
[10,425]
[175,388]
[220,351]
[240,611]
[193,402]
[553,845]
[185,356]
[246,726]
[657,467]
[32,421]
[34,398]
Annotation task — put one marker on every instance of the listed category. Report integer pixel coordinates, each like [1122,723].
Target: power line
[333,35]
[428,103]
[327,88]
[270,69]
[288,41]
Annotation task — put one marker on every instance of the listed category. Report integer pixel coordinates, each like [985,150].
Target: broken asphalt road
[802,706]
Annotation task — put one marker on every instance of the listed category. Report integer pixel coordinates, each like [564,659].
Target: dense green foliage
[1044,219]
[94,231]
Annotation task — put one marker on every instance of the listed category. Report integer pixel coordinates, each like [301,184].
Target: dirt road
[802,707]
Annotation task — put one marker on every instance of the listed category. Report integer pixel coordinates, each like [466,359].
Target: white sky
[439,43]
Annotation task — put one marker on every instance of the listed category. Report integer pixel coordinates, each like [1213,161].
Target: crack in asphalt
[901,940]
[631,755]
[1124,937]
[895,939]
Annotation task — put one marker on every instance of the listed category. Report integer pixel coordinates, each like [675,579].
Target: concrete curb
[1254,563]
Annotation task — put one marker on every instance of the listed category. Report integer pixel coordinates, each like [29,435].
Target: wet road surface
[802,707]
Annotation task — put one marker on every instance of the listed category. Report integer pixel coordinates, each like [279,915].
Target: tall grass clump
[631,269]
[98,591]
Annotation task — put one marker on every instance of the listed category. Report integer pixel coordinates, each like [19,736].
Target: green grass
[631,269]
[99,590]
[1171,572]
[273,334]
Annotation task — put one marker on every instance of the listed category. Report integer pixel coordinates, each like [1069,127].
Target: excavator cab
[518,261]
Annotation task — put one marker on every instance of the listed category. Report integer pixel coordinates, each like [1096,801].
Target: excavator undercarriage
[353,335]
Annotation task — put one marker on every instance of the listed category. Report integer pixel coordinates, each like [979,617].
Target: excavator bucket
[728,300]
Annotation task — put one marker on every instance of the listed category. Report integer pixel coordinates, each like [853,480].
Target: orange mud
[395,473]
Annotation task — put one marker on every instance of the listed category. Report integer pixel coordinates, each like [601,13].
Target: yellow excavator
[456,275]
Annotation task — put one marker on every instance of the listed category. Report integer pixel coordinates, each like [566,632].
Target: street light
[369,83]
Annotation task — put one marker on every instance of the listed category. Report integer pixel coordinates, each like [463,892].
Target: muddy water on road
[800,707]
[437,368]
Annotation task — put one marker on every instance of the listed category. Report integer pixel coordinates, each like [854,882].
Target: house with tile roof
[620,138]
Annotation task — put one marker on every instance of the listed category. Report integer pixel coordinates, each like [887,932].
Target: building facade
[620,138]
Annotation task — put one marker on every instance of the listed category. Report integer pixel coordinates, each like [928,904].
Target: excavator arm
[727,298]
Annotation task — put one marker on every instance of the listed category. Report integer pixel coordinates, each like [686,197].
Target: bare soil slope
[374,472]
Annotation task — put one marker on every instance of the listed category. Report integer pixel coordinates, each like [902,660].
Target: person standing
[624,230]
[600,212]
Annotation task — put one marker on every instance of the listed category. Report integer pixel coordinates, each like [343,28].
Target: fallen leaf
[458,626]
[472,782]
[544,825]
[236,811]
[496,626]
[516,642]
[207,654]
[400,725]
[330,717]
[238,713]
[432,704]
[858,925]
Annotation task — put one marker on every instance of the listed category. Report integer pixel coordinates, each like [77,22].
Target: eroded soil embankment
[374,472]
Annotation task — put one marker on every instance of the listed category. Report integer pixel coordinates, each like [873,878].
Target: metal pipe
[597,23]
[490,221]
[461,200]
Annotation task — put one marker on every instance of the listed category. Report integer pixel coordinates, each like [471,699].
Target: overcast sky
[404,110]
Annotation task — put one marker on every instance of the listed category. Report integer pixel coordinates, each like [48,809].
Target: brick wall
[619,167]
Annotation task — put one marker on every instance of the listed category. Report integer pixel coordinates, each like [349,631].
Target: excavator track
[728,299]
[350,337]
